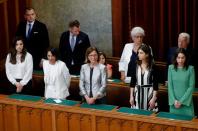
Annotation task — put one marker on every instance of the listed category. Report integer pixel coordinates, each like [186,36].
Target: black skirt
[27,89]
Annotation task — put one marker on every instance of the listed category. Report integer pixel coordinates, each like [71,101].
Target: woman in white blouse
[56,76]
[129,53]
[93,78]
[19,68]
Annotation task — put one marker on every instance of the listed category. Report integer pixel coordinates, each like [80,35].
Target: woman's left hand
[19,87]
[152,103]
[177,104]
[92,101]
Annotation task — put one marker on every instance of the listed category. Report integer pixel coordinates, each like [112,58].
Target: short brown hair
[29,8]
[74,23]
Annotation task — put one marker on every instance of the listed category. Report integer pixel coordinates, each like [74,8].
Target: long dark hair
[13,51]
[183,51]
[147,50]
[102,54]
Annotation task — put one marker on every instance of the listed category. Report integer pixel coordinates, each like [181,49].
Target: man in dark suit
[183,42]
[36,36]
[73,45]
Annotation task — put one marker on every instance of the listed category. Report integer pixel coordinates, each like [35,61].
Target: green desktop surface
[98,106]
[25,97]
[114,80]
[63,102]
[135,111]
[174,116]
[38,72]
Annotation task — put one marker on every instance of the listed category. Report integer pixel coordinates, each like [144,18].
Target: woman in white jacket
[56,76]
[129,54]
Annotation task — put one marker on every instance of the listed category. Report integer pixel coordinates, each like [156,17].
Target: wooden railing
[18,115]
[117,93]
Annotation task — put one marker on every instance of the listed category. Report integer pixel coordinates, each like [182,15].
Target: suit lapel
[33,28]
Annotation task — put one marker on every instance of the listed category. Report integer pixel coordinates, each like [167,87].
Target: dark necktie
[72,44]
[91,74]
[29,30]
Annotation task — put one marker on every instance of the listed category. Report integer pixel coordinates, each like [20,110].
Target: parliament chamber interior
[35,113]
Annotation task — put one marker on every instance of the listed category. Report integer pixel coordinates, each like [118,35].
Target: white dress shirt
[57,80]
[70,41]
[125,59]
[19,70]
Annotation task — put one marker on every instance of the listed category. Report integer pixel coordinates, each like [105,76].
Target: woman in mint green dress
[181,83]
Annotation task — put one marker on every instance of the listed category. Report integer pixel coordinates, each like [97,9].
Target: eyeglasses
[94,55]
[138,36]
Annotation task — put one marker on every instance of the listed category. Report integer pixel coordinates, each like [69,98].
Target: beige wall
[94,16]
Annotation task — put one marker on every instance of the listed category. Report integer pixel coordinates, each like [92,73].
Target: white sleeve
[8,70]
[28,70]
[66,75]
[123,61]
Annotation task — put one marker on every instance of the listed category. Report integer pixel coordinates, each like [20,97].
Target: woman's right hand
[122,76]
[177,104]
[19,87]
[89,100]
[131,101]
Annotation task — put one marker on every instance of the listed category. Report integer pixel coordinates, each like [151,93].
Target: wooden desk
[117,93]
[18,115]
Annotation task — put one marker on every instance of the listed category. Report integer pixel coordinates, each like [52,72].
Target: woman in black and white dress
[144,83]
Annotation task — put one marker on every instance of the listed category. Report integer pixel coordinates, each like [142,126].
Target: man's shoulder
[173,49]
[65,33]
[22,24]
[82,33]
[39,23]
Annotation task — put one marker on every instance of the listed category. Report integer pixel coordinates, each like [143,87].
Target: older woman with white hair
[130,53]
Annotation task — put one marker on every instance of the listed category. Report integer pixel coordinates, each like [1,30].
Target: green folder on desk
[25,97]
[61,102]
[114,80]
[174,116]
[135,111]
[98,106]
[38,72]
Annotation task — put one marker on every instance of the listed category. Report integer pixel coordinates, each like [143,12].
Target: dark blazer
[172,51]
[37,43]
[78,54]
